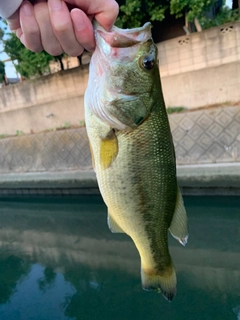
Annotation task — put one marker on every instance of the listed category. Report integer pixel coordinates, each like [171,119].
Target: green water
[58,260]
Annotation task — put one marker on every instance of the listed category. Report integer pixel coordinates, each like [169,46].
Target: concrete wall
[202,68]
[46,103]
[208,136]
[210,48]
[53,151]
[69,62]
[209,86]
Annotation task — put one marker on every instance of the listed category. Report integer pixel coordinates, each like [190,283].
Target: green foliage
[82,123]
[19,133]
[1,34]
[29,63]
[2,71]
[225,15]
[175,109]
[133,13]
[193,8]
[66,125]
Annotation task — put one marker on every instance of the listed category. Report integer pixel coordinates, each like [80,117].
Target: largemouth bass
[132,150]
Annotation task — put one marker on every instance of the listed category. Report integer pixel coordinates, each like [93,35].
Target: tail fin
[165,281]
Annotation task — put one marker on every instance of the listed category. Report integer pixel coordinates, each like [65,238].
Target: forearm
[8,7]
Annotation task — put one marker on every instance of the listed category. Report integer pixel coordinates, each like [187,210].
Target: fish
[132,150]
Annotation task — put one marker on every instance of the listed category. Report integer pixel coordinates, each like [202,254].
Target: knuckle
[35,47]
[32,43]
[33,32]
[61,27]
[75,53]
[54,51]
[38,50]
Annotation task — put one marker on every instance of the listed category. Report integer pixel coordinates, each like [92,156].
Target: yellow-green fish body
[132,149]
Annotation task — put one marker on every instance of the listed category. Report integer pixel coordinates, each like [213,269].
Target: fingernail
[79,23]
[27,9]
[55,4]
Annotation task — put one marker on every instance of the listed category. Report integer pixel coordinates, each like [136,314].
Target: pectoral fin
[178,227]
[113,226]
[108,149]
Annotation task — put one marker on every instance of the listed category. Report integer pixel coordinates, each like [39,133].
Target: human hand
[51,26]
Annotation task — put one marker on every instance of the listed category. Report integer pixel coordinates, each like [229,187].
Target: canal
[58,260]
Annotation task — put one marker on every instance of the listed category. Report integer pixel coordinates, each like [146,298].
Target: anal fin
[178,227]
[113,226]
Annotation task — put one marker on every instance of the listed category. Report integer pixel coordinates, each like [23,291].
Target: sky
[9,67]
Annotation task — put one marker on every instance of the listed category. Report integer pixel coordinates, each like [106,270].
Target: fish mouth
[122,38]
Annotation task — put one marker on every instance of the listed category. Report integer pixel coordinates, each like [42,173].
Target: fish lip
[128,37]
[146,26]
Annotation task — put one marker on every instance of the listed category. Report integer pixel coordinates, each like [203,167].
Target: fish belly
[139,188]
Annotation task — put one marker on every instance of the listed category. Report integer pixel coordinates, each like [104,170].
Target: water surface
[58,260]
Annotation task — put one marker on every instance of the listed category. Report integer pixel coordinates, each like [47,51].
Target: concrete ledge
[225,175]
[213,179]
[50,180]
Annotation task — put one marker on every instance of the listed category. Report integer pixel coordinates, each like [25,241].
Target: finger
[63,28]
[14,22]
[31,34]
[83,29]
[105,12]
[50,42]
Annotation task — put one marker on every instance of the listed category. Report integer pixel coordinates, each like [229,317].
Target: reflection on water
[237,311]
[35,296]
[58,260]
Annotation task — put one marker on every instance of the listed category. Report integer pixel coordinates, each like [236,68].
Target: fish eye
[148,62]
